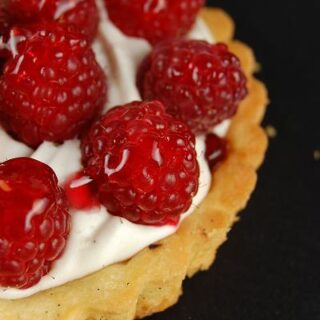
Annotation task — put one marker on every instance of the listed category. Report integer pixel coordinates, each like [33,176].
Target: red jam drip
[216,150]
[80,192]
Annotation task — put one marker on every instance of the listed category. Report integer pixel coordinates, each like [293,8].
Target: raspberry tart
[129,142]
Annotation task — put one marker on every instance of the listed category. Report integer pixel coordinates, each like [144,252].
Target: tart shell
[152,280]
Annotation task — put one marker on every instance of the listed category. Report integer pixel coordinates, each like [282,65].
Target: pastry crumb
[258,67]
[155,246]
[316,155]
[271,131]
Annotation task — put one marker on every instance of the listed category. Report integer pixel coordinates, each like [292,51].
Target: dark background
[270,266]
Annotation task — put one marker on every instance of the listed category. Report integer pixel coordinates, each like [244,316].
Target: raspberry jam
[80,193]
[216,150]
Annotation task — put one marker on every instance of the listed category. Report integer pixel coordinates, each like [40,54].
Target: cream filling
[98,239]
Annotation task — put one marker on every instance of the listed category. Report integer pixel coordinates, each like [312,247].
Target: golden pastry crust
[151,281]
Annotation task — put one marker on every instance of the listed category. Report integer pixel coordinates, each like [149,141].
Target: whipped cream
[98,239]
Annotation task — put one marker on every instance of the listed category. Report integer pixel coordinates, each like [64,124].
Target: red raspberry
[52,87]
[34,222]
[199,83]
[216,150]
[154,20]
[82,15]
[143,162]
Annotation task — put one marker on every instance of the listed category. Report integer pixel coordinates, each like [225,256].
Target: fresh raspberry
[82,15]
[143,162]
[154,20]
[52,87]
[216,150]
[34,222]
[199,83]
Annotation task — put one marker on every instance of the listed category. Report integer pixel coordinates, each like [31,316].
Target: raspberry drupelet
[154,20]
[201,84]
[34,222]
[143,162]
[52,86]
[81,15]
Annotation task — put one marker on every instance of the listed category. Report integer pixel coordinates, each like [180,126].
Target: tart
[151,280]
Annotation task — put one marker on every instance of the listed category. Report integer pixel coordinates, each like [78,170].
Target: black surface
[270,266]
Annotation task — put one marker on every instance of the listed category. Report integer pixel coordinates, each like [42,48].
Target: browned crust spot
[152,280]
